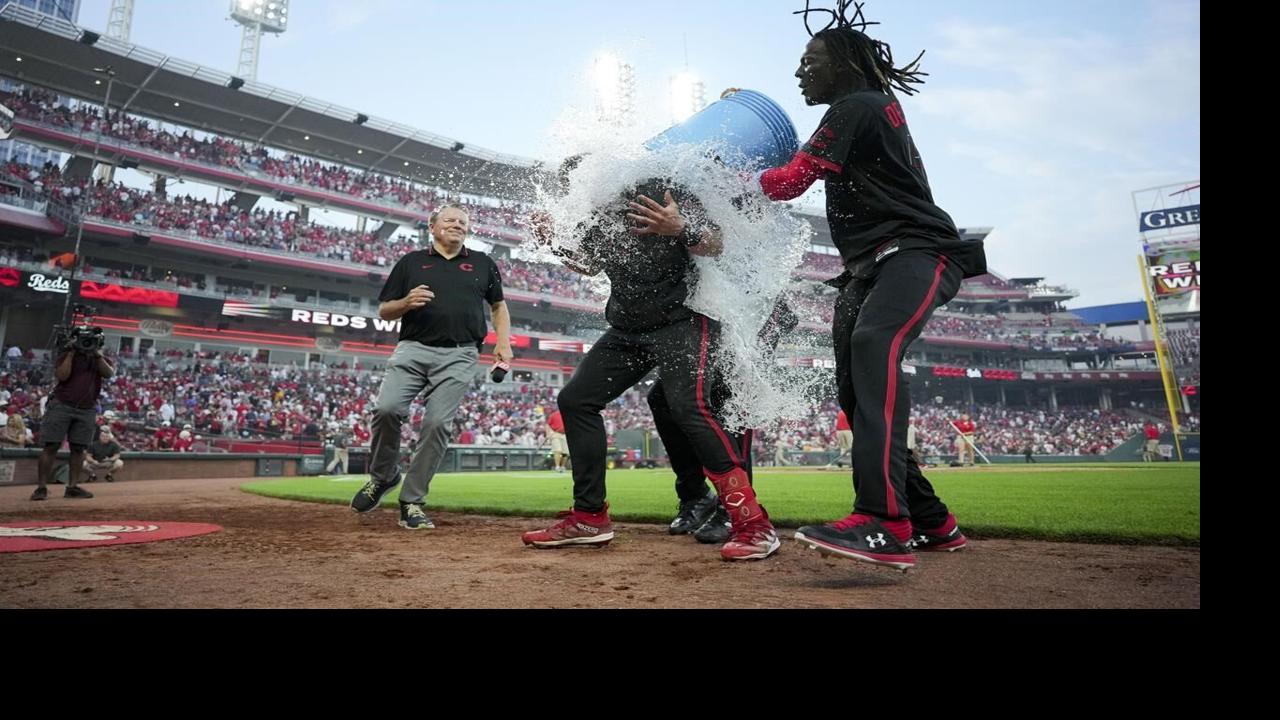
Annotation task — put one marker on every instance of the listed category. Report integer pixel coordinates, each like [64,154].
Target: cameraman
[70,416]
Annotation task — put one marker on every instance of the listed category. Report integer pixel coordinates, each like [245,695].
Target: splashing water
[763,243]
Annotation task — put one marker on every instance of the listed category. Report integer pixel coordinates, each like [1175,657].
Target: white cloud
[1055,130]
[1003,162]
[1088,92]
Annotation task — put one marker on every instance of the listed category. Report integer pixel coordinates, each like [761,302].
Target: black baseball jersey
[648,274]
[878,197]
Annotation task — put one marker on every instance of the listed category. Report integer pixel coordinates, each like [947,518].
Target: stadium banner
[1173,274]
[6,122]
[199,305]
[566,346]
[1190,446]
[1170,218]
[1173,271]
[235,308]
[109,292]
[152,327]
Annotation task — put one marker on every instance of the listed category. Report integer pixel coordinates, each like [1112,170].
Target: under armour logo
[876,541]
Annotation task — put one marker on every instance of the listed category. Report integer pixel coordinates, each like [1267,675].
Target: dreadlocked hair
[870,58]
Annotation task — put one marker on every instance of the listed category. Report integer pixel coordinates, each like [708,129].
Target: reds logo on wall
[40,283]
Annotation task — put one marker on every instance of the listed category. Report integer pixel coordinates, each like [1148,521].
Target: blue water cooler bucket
[746,130]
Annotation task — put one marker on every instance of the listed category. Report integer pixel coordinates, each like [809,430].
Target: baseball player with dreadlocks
[903,258]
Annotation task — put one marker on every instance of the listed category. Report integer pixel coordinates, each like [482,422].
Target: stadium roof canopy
[156,85]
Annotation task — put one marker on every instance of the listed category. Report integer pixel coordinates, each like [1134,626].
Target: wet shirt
[878,198]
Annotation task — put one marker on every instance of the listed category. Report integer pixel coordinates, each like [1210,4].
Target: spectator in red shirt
[556,436]
[965,442]
[165,436]
[844,437]
[362,435]
[1151,450]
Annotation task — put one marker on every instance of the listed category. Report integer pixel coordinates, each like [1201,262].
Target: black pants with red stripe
[691,481]
[682,352]
[876,319]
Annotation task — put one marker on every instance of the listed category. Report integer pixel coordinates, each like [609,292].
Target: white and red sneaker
[576,527]
[751,535]
[754,542]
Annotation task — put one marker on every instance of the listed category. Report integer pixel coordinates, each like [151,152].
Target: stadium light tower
[120,21]
[257,17]
[688,96]
[615,89]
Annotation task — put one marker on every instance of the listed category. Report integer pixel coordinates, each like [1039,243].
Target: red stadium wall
[173,467]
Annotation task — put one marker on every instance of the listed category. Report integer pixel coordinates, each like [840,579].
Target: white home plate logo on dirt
[28,536]
[76,532]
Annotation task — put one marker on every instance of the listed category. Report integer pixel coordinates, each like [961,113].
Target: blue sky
[1038,119]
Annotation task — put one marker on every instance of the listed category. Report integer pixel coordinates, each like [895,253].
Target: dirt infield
[283,554]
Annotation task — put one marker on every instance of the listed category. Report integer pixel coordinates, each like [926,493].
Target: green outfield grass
[1125,503]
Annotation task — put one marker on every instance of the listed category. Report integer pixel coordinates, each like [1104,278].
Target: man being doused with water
[644,242]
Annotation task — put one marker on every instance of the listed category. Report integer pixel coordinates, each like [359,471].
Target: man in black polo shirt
[438,294]
[645,249]
[903,258]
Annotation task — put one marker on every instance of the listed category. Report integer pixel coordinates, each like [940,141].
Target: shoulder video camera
[80,336]
[84,339]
